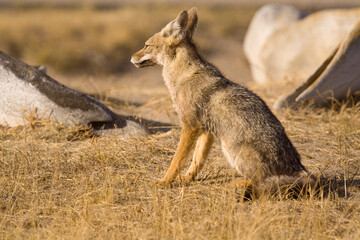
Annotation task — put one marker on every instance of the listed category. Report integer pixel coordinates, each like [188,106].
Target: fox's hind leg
[186,145]
[202,150]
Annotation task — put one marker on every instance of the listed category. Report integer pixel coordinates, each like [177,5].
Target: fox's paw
[245,189]
[185,178]
[243,184]
[161,182]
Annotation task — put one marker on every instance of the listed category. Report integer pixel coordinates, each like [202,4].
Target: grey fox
[210,106]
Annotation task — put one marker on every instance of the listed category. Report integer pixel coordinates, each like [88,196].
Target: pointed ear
[177,27]
[192,22]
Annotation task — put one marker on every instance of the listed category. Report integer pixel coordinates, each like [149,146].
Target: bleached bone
[337,78]
[282,43]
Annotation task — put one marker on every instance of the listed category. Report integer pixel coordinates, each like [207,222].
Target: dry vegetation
[60,182]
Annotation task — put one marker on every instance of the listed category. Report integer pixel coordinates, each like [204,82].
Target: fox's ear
[177,27]
[192,22]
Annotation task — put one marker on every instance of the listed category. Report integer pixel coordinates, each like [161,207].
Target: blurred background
[98,36]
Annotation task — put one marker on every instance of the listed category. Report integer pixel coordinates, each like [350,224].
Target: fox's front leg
[186,145]
[202,150]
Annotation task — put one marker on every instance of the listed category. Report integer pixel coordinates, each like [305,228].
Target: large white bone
[336,79]
[320,52]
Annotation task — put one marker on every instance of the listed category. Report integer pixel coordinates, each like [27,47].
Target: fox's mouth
[144,63]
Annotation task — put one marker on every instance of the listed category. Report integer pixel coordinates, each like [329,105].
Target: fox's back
[216,101]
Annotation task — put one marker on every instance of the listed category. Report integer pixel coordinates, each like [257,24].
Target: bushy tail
[297,185]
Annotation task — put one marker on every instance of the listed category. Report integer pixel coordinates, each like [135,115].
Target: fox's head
[164,43]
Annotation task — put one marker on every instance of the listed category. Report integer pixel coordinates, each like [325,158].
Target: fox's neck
[184,56]
[180,65]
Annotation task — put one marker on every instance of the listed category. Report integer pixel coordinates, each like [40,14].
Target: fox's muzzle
[142,62]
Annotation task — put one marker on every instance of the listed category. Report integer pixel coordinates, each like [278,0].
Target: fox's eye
[146,46]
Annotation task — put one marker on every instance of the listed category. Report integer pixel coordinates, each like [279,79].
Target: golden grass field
[61,182]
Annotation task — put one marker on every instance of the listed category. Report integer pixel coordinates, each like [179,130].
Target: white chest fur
[170,84]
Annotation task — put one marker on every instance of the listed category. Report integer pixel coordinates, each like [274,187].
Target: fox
[211,107]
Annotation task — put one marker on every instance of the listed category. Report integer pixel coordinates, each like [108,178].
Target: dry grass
[100,41]
[59,182]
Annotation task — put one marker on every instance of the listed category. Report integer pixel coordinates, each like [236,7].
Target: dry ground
[60,182]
